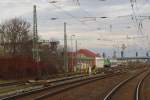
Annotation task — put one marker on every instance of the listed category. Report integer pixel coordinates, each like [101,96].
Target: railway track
[56,87]
[11,83]
[139,95]
[129,89]
[14,84]
[20,87]
[6,86]
[52,78]
[16,88]
[70,86]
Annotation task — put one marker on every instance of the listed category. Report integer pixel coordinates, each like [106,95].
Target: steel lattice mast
[35,35]
[36,56]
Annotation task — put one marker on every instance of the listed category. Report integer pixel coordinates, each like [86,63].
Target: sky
[85,19]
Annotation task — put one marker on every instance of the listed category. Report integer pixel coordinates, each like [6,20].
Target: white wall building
[99,62]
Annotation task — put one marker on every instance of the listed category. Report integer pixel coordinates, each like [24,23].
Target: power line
[134,17]
[74,17]
[77,2]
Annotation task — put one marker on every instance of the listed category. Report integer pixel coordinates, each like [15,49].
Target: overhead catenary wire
[134,17]
[72,16]
[76,2]
[136,20]
[139,20]
[94,19]
[139,16]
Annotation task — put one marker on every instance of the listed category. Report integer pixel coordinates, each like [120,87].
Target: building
[133,59]
[99,62]
[84,59]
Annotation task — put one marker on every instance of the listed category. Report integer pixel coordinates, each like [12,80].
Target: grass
[14,88]
[5,81]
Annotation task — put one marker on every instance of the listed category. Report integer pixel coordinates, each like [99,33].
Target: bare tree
[15,38]
[53,58]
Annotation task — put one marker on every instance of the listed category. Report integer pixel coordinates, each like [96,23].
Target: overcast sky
[84,20]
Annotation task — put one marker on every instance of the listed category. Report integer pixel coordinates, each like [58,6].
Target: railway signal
[136,54]
[123,48]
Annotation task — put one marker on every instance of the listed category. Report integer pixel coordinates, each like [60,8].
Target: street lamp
[77,60]
[53,1]
[71,50]
[71,38]
[76,51]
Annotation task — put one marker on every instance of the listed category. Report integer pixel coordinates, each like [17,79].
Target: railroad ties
[129,89]
[56,86]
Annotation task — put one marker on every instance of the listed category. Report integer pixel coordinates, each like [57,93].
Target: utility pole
[35,34]
[35,41]
[65,49]
[76,54]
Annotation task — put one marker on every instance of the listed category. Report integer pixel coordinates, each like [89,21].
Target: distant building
[133,59]
[84,59]
[99,62]
[51,45]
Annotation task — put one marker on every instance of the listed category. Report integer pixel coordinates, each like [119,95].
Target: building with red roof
[81,60]
[87,53]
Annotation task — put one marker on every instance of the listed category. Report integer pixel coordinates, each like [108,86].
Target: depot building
[83,59]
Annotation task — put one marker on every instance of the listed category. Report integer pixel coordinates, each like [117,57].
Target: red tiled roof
[87,52]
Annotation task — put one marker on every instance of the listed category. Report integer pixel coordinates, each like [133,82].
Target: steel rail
[71,86]
[51,82]
[59,84]
[139,86]
[110,94]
